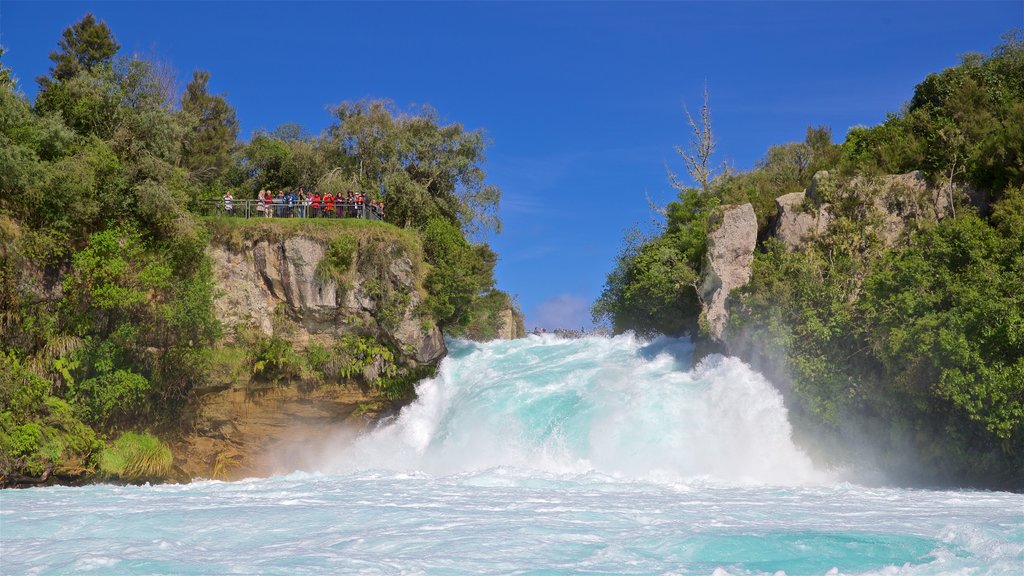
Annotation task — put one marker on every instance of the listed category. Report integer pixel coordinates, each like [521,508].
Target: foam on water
[540,456]
[613,405]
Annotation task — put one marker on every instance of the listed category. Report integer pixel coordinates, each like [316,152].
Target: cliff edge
[323,329]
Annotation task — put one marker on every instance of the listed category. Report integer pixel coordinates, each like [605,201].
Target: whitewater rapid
[536,456]
[619,406]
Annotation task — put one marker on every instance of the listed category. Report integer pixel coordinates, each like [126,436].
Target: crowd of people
[302,204]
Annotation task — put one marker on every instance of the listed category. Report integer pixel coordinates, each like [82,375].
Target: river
[536,456]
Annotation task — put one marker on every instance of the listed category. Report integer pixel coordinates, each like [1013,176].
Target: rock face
[893,200]
[902,198]
[245,431]
[266,277]
[795,222]
[242,427]
[728,262]
[510,325]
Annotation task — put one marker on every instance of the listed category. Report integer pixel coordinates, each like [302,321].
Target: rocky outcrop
[888,204]
[797,220]
[247,431]
[377,297]
[903,198]
[305,289]
[511,324]
[730,253]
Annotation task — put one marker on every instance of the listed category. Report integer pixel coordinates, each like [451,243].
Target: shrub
[136,456]
[112,398]
[337,259]
[274,359]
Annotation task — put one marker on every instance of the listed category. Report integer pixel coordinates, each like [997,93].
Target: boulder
[730,254]
[795,221]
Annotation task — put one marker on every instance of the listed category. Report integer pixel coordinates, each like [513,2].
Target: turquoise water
[540,456]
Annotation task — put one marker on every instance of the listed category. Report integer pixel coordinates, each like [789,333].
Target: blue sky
[582,101]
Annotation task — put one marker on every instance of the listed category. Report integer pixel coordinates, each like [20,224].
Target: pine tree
[211,140]
[83,46]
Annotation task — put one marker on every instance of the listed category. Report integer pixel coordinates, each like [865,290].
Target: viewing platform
[248,208]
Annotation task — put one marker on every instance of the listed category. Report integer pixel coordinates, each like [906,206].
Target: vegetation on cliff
[916,342]
[106,293]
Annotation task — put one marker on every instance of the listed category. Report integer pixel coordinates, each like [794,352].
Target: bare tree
[702,146]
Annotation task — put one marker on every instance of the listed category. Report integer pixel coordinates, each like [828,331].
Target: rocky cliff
[377,296]
[888,203]
[310,292]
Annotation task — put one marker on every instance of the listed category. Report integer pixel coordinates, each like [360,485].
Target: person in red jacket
[314,203]
[328,205]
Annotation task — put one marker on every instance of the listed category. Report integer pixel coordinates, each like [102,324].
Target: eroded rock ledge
[309,289]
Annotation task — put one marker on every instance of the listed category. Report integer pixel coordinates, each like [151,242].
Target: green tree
[420,166]
[7,79]
[84,46]
[213,130]
[461,274]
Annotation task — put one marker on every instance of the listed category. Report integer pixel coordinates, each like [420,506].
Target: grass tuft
[136,456]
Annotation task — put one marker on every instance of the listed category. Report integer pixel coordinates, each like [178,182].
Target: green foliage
[461,274]
[207,149]
[136,457]
[22,392]
[353,354]
[487,316]
[423,169]
[784,169]
[39,433]
[84,46]
[337,259]
[111,398]
[349,358]
[965,123]
[274,359]
[653,288]
[107,275]
[1008,213]
[926,336]
[399,387]
[948,318]
[7,80]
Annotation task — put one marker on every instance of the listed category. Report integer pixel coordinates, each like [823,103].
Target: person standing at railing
[303,201]
[261,206]
[359,204]
[328,205]
[228,203]
[314,204]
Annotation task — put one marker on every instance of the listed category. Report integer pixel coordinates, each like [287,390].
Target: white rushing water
[541,456]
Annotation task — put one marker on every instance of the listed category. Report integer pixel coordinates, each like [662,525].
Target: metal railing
[248,208]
